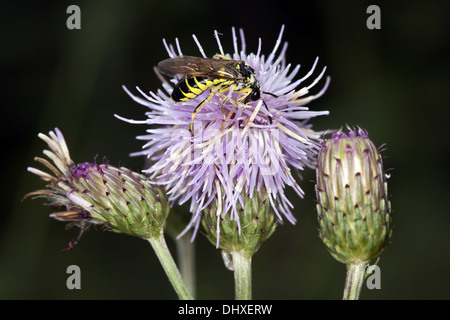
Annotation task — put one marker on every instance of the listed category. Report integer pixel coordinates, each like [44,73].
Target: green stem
[167,262]
[354,280]
[186,261]
[242,265]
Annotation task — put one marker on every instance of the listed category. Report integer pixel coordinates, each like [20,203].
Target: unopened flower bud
[354,212]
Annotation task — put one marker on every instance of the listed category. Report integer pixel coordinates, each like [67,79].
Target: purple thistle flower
[237,149]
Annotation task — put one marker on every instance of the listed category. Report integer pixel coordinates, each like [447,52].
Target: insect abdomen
[188,88]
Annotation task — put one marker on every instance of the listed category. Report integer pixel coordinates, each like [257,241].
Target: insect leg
[198,109]
[246,92]
[224,99]
[225,87]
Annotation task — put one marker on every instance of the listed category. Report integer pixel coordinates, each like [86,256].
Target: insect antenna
[270,118]
[269,93]
[273,95]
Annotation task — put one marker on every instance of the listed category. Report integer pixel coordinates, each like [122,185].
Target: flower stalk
[185,248]
[354,280]
[165,258]
[242,267]
[186,262]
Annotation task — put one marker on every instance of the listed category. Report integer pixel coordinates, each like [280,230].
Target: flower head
[89,193]
[236,148]
[353,208]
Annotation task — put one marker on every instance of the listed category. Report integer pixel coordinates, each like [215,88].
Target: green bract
[123,199]
[257,222]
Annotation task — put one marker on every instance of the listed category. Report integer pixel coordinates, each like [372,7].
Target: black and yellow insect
[218,73]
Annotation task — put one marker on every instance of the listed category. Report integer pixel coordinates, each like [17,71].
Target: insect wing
[200,67]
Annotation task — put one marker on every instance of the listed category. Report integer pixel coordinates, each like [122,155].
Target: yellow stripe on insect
[194,90]
[186,98]
[203,87]
[191,94]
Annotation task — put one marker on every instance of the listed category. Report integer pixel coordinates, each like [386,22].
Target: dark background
[394,82]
